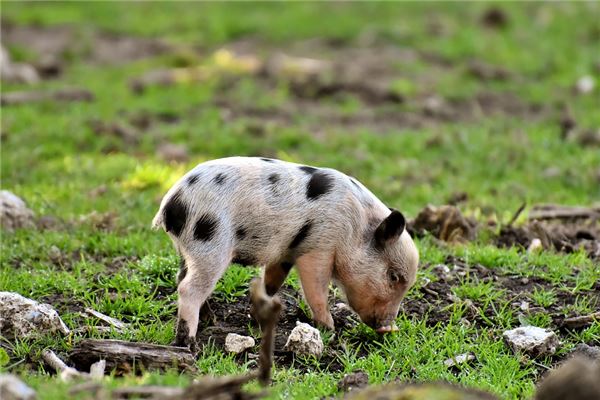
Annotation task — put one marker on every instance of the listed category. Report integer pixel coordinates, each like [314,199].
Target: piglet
[277,214]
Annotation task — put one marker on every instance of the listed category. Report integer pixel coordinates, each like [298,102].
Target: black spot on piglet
[240,233]
[175,213]
[192,179]
[245,260]
[205,228]
[219,179]
[273,178]
[301,235]
[320,183]
[286,266]
[268,159]
[308,170]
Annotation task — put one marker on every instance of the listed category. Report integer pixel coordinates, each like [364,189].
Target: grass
[115,264]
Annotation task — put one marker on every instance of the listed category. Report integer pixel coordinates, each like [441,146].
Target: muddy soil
[559,228]
[435,299]
[566,235]
[61,42]
[220,318]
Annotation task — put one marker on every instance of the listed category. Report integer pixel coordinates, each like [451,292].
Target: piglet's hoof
[189,343]
[328,325]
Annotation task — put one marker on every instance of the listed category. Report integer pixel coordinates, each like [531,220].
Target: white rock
[524,306]
[235,343]
[535,246]
[442,269]
[532,340]
[22,317]
[459,359]
[16,72]
[14,212]
[585,84]
[305,340]
[12,388]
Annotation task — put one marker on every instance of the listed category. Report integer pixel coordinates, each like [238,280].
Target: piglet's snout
[382,325]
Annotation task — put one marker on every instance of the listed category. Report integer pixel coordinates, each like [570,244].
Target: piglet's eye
[395,276]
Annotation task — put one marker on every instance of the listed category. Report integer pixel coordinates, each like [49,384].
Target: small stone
[24,318]
[532,340]
[535,246]
[459,359]
[585,84]
[434,105]
[442,268]
[305,340]
[341,307]
[54,254]
[14,212]
[12,388]
[524,306]
[354,380]
[443,272]
[465,322]
[237,344]
[16,72]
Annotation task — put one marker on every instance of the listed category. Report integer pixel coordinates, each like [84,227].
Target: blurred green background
[487,105]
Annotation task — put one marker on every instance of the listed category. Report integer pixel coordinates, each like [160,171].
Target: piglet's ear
[390,228]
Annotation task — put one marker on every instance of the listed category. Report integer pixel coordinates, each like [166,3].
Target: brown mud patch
[57,44]
[566,229]
[415,113]
[550,227]
[321,79]
[219,318]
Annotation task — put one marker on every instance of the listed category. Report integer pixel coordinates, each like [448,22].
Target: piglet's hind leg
[193,290]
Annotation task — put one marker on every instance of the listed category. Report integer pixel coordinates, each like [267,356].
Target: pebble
[585,84]
[237,344]
[24,318]
[459,359]
[12,388]
[532,340]
[305,340]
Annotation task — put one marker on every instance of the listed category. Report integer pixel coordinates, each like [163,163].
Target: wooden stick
[581,321]
[563,212]
[125,356]
[66,373]
[266,310]
[516,214]
[119,325]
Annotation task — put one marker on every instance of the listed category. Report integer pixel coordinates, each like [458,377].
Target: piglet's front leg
[315,270]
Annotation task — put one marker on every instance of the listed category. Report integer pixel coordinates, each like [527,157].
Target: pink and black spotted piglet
[276,214]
